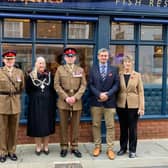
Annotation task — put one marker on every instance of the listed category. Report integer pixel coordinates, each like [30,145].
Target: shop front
[136,27]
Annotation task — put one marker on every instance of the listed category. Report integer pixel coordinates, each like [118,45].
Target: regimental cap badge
[70,52]
[9,54]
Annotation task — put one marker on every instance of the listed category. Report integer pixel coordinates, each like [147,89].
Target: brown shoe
[111,154]
[96,151]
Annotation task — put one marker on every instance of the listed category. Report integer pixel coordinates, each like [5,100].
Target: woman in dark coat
[42,105]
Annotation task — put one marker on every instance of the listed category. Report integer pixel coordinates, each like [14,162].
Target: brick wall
[147,129]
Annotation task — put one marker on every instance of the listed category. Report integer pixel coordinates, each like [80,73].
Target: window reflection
[52,55]
[49,29]
[85,56]
[151,32]
[80,30]
[122,31]
[18,28]
[118,51]
[24,55]
[150,64]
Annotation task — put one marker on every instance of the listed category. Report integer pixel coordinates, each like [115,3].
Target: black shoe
[12,156]
[121,152]
[46,152]
[76,153]
[2,158]
[38,153]
[132,155]
[63,152]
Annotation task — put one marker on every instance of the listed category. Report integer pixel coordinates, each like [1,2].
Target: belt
[9,93]
[71,91]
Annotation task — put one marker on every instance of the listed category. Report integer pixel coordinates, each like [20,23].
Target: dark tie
[103,72]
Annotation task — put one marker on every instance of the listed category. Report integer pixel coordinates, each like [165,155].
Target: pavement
[150,154]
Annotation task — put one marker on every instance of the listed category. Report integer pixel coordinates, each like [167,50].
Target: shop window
[151,32]
[150,64]
[150,67]
[122,31]
[158,55]
[85,56]
[17,28]
[24,55]
[80,30]
[47,29]
[118,51]
[52,55]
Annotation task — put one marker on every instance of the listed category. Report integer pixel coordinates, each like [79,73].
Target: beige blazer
[11,104]
[69,83]
[133,93]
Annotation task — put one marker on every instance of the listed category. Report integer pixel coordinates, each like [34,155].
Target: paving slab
[150,154]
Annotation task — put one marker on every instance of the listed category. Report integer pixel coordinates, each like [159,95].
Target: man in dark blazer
[103,84]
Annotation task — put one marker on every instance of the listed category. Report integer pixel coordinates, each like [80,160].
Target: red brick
[147,129]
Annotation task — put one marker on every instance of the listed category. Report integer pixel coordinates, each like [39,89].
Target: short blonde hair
[127,58]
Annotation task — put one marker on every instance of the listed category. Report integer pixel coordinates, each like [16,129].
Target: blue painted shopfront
[135,27]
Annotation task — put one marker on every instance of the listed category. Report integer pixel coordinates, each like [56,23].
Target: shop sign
[97,3]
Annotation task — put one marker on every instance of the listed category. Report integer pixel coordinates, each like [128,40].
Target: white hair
[40,59]
[34,72]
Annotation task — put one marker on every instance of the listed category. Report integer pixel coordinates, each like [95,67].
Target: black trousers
[128,119]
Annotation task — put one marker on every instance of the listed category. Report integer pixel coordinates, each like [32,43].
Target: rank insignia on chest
[77,74]
[18,79]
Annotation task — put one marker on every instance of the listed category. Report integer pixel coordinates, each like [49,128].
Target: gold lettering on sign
[151,3]
[138,2]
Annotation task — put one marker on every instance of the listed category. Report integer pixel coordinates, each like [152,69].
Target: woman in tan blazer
[130,104]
